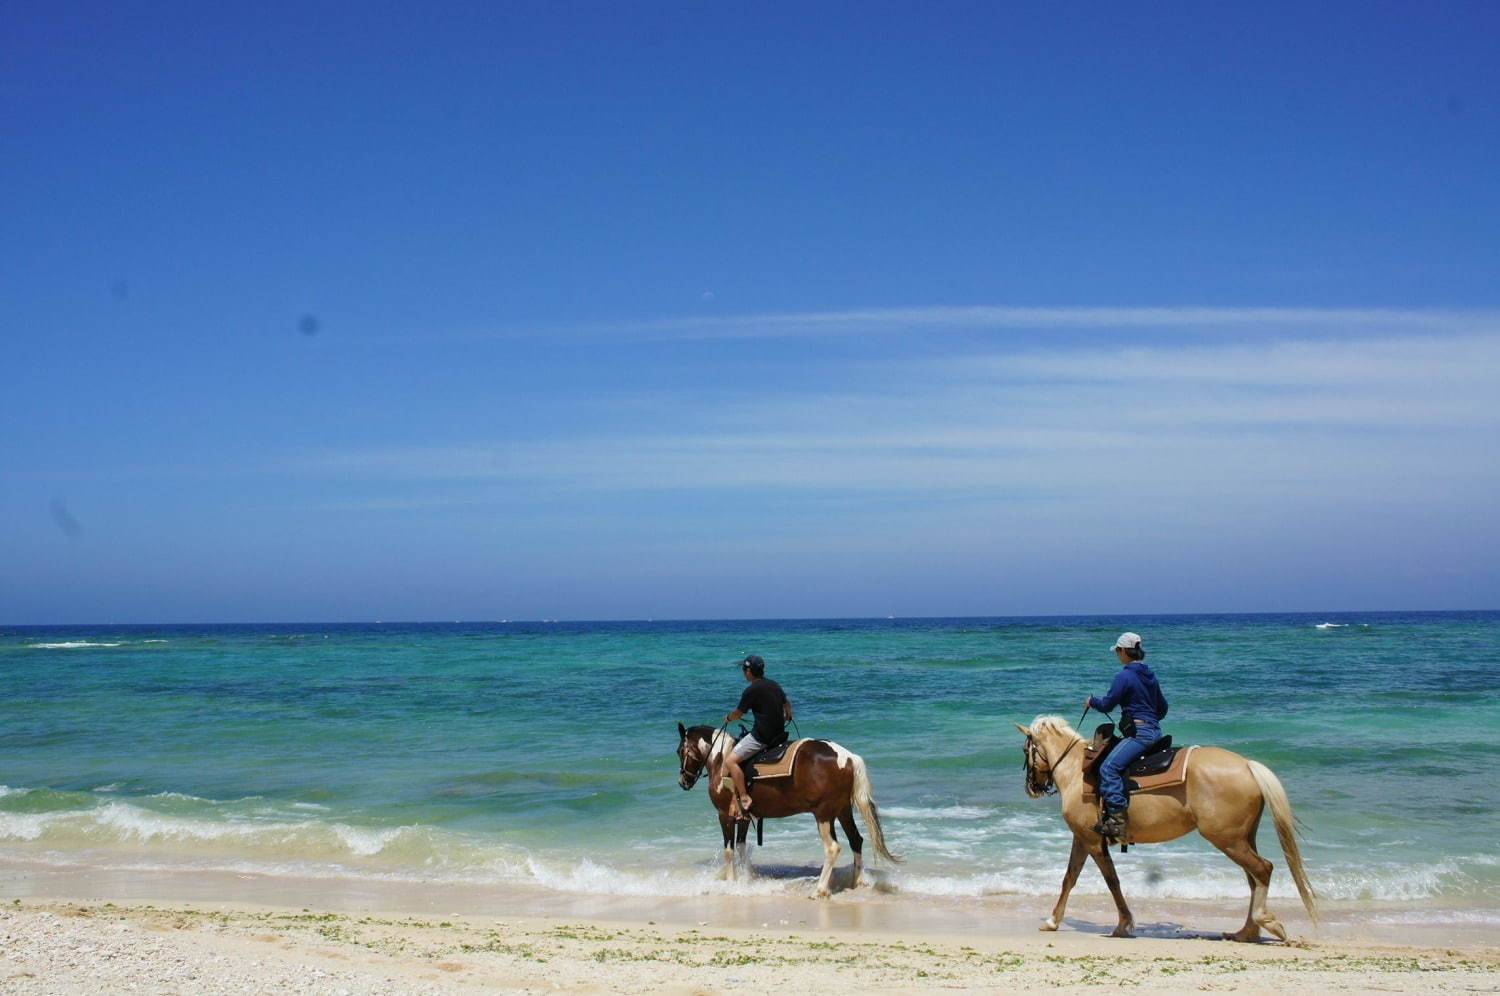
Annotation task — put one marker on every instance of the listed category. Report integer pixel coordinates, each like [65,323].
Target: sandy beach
[283,935]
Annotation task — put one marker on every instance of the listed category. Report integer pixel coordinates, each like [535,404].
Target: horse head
[1034,765]
[1037,751]
[691,758]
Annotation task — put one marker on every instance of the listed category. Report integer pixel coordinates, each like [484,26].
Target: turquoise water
[545,753]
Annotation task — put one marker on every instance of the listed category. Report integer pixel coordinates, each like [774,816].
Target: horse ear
[681,732]
[1024,730]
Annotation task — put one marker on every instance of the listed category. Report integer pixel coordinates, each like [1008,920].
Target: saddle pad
[781,768]
[1175,774]
[1158,760]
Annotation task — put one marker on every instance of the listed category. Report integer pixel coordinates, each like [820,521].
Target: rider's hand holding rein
[1093,702]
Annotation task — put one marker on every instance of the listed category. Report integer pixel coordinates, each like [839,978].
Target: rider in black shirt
[772,710]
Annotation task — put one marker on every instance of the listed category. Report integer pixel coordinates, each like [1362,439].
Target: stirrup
[1112,824]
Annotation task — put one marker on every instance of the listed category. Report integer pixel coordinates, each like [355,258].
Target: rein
[1049,787]
[703,769]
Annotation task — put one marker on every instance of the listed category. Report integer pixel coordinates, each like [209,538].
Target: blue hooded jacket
[1137,694]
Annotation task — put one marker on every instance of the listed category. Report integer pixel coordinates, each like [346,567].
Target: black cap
[754,663]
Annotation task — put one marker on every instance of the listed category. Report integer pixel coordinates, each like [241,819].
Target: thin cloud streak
[1364,363]
[981,317]
[978,318]
[1290,418]
[1265,321]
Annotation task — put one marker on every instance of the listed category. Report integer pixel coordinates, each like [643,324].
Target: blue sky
[321,312]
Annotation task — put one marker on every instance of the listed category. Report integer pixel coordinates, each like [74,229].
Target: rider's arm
[734,716]
[1112,699]
[786,710]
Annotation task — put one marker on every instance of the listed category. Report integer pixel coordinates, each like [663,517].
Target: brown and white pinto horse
[827,781]
[1223,798]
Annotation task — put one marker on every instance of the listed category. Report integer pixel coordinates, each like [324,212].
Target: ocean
[543,754]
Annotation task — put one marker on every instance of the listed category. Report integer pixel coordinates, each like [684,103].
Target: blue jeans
[1112,771]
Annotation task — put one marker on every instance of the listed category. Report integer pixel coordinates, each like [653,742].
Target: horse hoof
[1124,930]
[1275,928]
[1244,936]
[1048,924]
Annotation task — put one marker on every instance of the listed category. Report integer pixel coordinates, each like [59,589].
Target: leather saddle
[1157,768]
[773,762]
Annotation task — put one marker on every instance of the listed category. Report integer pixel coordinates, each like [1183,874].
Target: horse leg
[1258,873]
[742,844]
[1100,853]
[727,826]
[830,854]
[856,842]
[1070,878]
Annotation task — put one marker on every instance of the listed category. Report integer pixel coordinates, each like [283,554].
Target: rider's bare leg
[738,776]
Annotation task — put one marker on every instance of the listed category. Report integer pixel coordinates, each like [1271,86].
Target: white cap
[1127,641]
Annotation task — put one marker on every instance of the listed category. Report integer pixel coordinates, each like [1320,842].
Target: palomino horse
[1223,797]
[827,781]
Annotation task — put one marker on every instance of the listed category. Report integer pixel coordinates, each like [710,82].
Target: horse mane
[1054,724]
[716,744]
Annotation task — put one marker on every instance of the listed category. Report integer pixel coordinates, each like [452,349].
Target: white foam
[963,851]
[591,877]
[22,826]
[68,645]
[1428,917]
[985,884]
[117,823]
[936,813]
[1331,626]
[183,797]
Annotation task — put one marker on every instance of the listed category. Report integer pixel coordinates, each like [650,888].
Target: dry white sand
[71,930]
[75,948]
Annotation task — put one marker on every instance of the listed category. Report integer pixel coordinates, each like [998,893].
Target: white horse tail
[865,800]
[1281,812]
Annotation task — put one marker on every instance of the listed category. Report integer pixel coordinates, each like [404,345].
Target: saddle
[773,762]
[1162,766]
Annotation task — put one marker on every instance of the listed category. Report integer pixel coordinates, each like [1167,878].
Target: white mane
[716,745]
[1054,724]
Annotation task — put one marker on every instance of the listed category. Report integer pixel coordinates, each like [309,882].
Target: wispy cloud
[981,318]
[1300,417]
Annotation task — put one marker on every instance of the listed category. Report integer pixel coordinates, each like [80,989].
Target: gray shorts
[747,747]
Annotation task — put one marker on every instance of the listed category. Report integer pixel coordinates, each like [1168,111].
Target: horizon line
[758,619]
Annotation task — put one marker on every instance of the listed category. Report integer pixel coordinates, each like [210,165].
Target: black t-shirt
[765,698]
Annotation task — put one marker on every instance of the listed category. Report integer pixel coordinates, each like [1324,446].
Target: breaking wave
[174,831]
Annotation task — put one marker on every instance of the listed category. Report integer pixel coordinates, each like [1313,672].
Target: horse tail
[1281,812]
[864,798]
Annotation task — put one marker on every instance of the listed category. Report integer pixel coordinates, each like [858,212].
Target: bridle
[1037,781]
[686,753]
[689,752]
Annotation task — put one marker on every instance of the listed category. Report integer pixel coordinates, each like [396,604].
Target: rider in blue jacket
[1142,708]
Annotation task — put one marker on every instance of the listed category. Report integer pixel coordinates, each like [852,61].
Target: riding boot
[1112,824]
